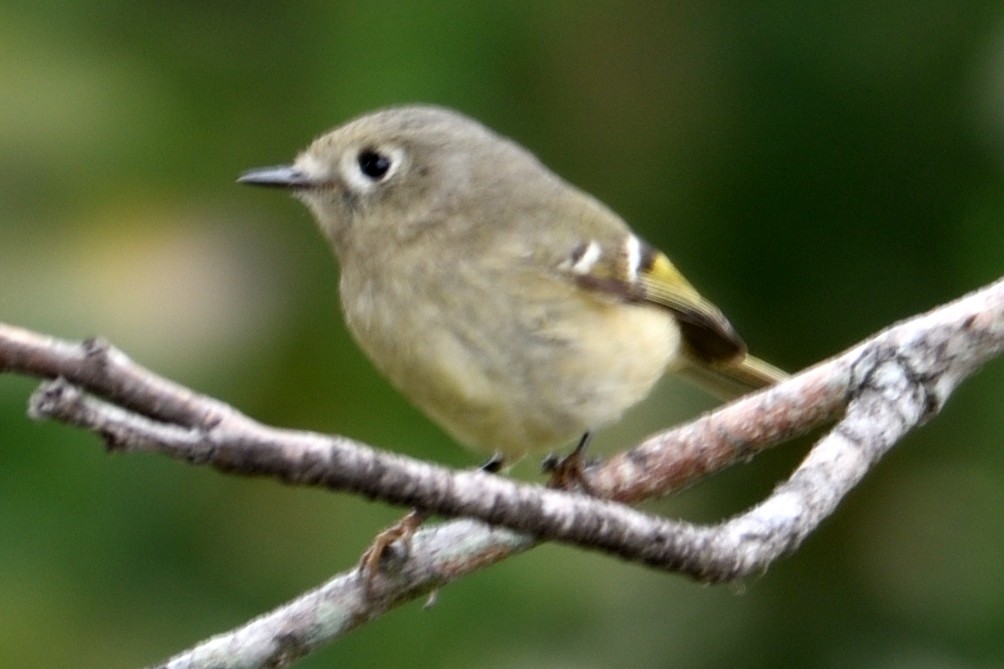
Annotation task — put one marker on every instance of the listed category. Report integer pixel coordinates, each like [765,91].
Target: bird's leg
[567,472]
[404,529]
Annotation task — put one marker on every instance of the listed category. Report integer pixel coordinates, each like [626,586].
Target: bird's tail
[728,380]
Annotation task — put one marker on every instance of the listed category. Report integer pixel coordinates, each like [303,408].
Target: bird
[515,310]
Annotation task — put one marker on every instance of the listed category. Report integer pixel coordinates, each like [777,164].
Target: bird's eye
[373,164]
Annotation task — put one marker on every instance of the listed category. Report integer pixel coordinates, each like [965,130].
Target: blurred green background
[820,170]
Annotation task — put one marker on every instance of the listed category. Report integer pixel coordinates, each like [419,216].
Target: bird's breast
[508,364]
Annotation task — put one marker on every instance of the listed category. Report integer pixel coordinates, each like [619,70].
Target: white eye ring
[367,167]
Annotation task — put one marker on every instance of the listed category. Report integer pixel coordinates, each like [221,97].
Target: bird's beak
[280,176]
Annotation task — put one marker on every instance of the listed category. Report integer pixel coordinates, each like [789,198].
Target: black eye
[373,164]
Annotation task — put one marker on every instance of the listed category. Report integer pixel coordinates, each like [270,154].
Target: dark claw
[567,473]
[494,464]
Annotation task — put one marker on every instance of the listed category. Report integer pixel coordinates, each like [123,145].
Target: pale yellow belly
[528,385]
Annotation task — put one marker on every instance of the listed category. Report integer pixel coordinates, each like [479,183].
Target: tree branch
[884,387]
[438,555]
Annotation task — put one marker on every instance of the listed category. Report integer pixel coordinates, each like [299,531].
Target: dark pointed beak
[280,176]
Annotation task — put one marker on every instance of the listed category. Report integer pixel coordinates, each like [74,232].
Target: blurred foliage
[820,170]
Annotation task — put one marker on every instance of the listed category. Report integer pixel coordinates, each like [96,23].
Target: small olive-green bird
[515,310]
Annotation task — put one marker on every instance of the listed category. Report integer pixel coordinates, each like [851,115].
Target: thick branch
[438,555]
[106,372]
[886,386]
[932,353]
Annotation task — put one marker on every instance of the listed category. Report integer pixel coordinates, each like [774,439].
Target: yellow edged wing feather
[706,331]
[715,354]
[719,361]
